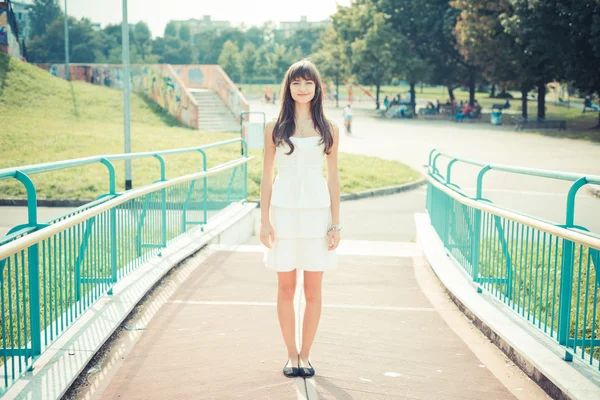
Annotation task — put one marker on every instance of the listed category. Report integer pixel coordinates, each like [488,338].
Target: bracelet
[334,228]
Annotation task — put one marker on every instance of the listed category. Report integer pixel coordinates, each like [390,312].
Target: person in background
[348,119]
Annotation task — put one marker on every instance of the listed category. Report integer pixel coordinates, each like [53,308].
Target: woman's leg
[312,312]
[285,311]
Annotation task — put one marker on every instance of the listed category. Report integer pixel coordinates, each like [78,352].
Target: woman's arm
[333,183]
[266,184]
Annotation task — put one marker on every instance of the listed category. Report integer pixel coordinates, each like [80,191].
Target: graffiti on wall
[3,25]
[161,84]
[8,41]
[97,74]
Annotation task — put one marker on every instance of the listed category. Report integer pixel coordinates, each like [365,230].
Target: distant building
[289,27]
[22,12]
[204,24]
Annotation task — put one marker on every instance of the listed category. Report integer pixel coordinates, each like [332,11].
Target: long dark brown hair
[286,124]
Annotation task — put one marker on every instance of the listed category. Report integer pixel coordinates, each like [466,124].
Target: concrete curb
[63,361]
[344,197]
[45,203]
[383,191]
[376,192]
[539,356]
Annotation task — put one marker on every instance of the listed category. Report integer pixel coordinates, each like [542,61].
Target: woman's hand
[267,234]
[333,238]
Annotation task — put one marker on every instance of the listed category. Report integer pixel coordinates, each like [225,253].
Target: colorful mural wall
[8,40]
[162,85]
[97,74]
[165,84]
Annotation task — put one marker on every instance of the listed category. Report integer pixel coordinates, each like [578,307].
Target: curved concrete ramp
[387,332]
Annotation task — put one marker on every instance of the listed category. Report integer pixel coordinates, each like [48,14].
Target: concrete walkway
[387,332]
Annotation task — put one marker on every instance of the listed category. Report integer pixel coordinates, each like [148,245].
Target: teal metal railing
[52,272]
[547,273]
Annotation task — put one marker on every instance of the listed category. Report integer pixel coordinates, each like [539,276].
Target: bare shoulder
[270,126]
[335,130]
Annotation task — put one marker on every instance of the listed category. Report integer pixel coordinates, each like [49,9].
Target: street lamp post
[67,72]
[125,80]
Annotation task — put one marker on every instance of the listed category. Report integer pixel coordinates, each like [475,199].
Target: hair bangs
[304,70]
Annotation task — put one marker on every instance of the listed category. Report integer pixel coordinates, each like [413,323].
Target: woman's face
[302,90]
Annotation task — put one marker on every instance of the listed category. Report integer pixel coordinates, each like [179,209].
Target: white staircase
[213,114]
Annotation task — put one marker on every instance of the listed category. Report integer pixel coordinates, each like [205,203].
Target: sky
[156,13]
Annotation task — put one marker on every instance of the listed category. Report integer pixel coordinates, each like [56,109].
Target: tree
[207,47]
[230,61]
[248,62]
[422,25]
[142,40]
[581,54]
[482,40]
[305,39]
[374,55]
[176,51]
[445,64]
[538,33]
[185,33]
[171,29]
[281,59]
[255,35]
[50,47]
[331,59]
[43,13]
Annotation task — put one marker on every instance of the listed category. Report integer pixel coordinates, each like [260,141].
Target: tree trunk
[524,92]
[377,96]
[493,90]
[421,87]
[412,97]
[472,86]
[451,93]
[542,100]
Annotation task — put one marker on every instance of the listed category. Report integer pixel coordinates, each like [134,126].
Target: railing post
[449,171]
[476,236]
[430,160]
[113,225]
[434,167]
[566,280]
[164,200]
[205,183]
[33,265]
[245,166]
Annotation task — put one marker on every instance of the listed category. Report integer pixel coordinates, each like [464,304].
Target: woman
[300,210]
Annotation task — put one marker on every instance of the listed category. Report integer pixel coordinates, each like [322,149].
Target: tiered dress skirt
[300,240]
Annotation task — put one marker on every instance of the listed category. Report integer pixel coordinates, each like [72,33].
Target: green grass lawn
[48,119]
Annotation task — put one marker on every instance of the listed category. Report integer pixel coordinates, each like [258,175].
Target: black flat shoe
[290,372]
[307,372]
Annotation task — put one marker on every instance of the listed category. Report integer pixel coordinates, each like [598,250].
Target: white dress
[300,209]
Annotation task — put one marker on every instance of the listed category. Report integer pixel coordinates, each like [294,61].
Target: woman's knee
[287,285]
[287,291]
[312,293]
